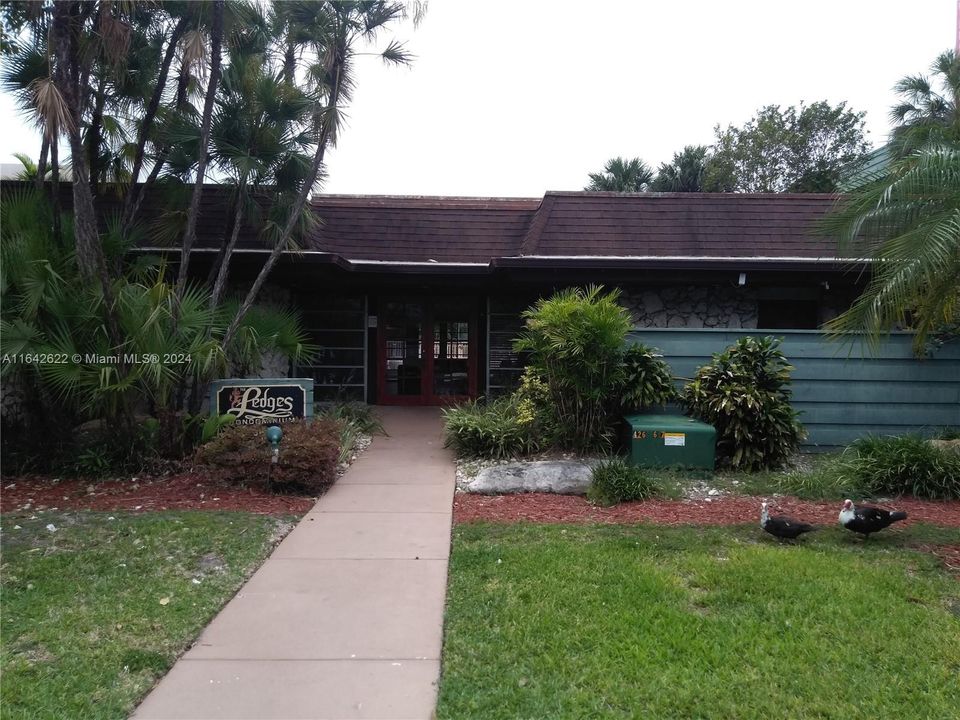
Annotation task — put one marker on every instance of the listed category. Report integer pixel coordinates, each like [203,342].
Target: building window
[788,315]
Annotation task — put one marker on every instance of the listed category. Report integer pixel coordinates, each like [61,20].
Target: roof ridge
[320,200]
[531,239]
[723,196]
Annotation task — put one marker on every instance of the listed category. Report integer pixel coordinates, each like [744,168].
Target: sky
[516,98]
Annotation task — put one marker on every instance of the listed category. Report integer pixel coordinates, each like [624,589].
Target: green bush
[744,394]
[614,481]
[496,429]
[647,380]
[575,340]
[828,478]
[362,417]
[353,419]
[907,465]
[309,453]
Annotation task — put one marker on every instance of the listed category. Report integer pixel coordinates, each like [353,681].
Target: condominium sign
[267,401]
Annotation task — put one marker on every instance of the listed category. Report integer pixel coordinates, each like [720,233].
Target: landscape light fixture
[274,435]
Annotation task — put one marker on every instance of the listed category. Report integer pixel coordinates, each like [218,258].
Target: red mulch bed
[726,510]
[176,492]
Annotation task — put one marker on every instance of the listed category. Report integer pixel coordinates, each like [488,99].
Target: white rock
[565,477]
[51,527]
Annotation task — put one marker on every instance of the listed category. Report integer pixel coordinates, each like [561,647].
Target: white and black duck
[784,528]
[866,519]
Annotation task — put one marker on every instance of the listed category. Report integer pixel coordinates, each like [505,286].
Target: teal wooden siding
[842,391]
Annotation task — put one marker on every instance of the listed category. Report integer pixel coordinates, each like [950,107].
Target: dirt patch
[726,510]
[187,491]
[950,557]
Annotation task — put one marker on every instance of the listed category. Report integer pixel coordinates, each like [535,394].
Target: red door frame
[426,396]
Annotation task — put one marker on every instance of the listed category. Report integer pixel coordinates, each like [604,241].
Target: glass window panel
[403,330]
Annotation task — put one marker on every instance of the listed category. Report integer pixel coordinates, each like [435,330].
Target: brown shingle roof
[681,224]
[594,228]
[421,229]
[573,224]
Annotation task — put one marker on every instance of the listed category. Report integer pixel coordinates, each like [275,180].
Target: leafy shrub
[744,394]
[361,416]
[647,380]
[829,478]
[354,420]
[308,458]
[614,481]
[575,340]
[907,465]
[214,424]
[495,429]
[534,405]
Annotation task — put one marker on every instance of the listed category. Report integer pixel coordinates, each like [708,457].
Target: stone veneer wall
[691,306]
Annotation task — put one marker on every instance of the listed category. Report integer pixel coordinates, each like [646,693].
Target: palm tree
[684,173]
[906,220]
[48,308]
[331,35]
[930,107]
[258,138]
[620,175]
[216,57]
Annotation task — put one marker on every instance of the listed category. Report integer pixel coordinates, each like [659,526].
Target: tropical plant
[331,35]
[805,150]
[50,311]
[907,465]
[621,175]
[924,116]
[744,393]
[647,380]
[575,340]
[493,430]
[684,173]
[615,481]
[119,81]
[905,219]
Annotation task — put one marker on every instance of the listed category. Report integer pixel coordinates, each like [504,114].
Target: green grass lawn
[95,612]
[658,622]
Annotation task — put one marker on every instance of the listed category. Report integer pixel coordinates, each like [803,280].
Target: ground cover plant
[879,466]
[614,481]
[669,622]
[98,605]
[495,429]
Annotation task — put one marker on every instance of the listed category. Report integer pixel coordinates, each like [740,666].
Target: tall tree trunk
[189,235]
[133,197]
[55,188]
[224,241]
[94,137]
[42,162]
[224,269]
[89,251]
[298,206]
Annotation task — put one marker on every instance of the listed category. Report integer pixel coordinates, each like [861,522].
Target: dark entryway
[426,350]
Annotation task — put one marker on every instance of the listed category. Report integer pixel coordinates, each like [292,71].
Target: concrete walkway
[345,619]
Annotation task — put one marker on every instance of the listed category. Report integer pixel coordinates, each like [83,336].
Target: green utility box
[670,440]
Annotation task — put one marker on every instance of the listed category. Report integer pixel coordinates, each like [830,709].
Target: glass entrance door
[427,351]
